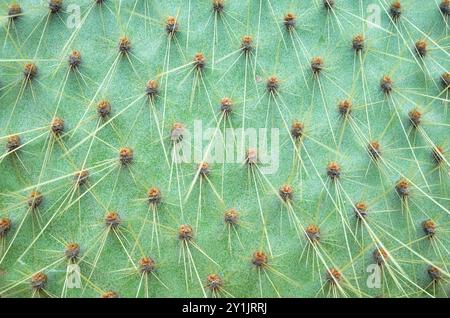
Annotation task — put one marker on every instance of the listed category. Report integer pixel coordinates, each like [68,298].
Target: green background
[327,34]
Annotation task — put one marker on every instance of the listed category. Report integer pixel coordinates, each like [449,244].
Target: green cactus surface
[225,148]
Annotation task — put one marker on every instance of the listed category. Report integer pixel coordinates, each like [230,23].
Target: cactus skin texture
[90,117]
